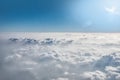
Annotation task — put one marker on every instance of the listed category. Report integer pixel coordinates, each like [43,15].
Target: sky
[59,15]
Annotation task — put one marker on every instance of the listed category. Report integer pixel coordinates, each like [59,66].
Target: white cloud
[71,56]
[113,72]
[97,75]
[112,10]
[61,79]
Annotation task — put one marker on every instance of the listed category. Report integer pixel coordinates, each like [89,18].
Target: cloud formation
[79,56]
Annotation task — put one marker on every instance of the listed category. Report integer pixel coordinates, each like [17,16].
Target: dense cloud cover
[59,56]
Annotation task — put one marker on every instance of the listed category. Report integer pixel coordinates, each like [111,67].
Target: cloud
[61,79]
[112,10]
[97,75]
[59,56]
[113,72]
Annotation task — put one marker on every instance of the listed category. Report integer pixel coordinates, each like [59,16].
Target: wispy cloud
[112,10]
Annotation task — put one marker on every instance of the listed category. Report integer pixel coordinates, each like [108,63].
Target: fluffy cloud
[97,75]
[59,57]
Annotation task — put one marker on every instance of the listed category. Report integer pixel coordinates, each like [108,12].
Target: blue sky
[60,15]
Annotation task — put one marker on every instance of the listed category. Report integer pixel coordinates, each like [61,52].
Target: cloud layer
[59,56]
